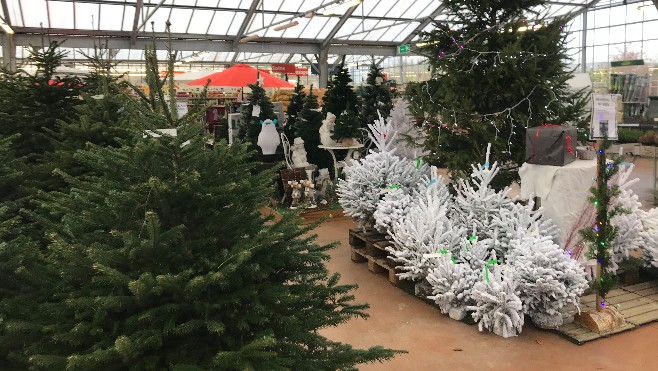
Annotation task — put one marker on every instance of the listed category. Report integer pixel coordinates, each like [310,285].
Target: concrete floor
[436,342]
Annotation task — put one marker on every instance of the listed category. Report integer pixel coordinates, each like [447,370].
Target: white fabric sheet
[563,189]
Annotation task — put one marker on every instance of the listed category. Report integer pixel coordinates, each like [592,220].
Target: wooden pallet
[638,303]
[370,246]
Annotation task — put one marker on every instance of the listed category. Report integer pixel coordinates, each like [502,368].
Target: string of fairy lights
[497,57]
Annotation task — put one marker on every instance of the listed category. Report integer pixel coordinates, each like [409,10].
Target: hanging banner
[283,68]
[604,116]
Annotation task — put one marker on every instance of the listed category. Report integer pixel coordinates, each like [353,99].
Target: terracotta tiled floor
[398,320]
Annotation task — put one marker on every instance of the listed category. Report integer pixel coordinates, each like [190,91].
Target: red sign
[283,68]
[301,71]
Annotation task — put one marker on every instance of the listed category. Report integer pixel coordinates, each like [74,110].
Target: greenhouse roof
[214,31]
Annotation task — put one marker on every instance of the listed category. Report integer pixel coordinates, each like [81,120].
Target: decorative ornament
[268,139]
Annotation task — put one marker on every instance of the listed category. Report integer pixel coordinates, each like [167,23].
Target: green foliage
[249,127]
[308,128]
[158,258]
[347,126]
[603,233]
[339,93]
[294,108]
[376,97]
[626,135]
[32,106]
[490,82]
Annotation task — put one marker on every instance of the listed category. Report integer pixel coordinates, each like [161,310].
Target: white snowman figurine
[327,130]
[323,183]
[299,153]
[268,139]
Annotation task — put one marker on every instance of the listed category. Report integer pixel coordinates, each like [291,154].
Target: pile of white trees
[477,251]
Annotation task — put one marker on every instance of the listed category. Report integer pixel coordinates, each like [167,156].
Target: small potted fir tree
[346,129]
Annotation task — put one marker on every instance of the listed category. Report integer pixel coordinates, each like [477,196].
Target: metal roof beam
[423,24]
[289,58]
[150,14]
[5,10]
[243,27]
[211,45]
[138,10]
[339,25]
[584,9]
[227,9]
[247,20]
[162,36]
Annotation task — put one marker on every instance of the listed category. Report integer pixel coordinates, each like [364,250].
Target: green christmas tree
[168,264]
[294,108]
[308,128]
[347,126]
[32,106]
[250,125]
[603,233]
[491,81]
[339,93]
[376,97]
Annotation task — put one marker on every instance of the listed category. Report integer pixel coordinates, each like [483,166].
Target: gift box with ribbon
[551,145]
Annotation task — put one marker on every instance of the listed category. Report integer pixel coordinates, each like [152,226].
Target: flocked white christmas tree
[548,278]
[629,224]
[498,307]
[410,138]
[517,221]
[649,237]
[451,284]
[394,206]
[426,229]
[370,178]
[478,204]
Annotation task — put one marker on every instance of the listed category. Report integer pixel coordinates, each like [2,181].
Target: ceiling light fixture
[285,26]
[249,38]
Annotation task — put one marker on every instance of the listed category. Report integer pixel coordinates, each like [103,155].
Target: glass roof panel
[60,15]
[36,13]
[110,16]
[85,16]
[128,17]
[375,9]
[257,22]
[421,8]
[272,4]
[368,24]
[278,18]
[201,20]
[234,26]
[324,31]
[15,12]
[180,19]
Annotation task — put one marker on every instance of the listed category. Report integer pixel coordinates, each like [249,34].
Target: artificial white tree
[517,221]
[650,247]
[370,178]
[393,206]
[477,204]
[410,138]
[629,224]
[426,229]
[498,307]
[451,284]
[548,278]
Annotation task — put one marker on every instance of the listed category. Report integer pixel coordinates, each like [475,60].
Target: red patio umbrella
[239,76]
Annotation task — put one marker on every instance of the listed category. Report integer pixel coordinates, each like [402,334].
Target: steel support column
[324,68]
[583,48]
[8,52]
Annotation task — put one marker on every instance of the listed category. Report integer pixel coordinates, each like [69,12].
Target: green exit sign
[403,49]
